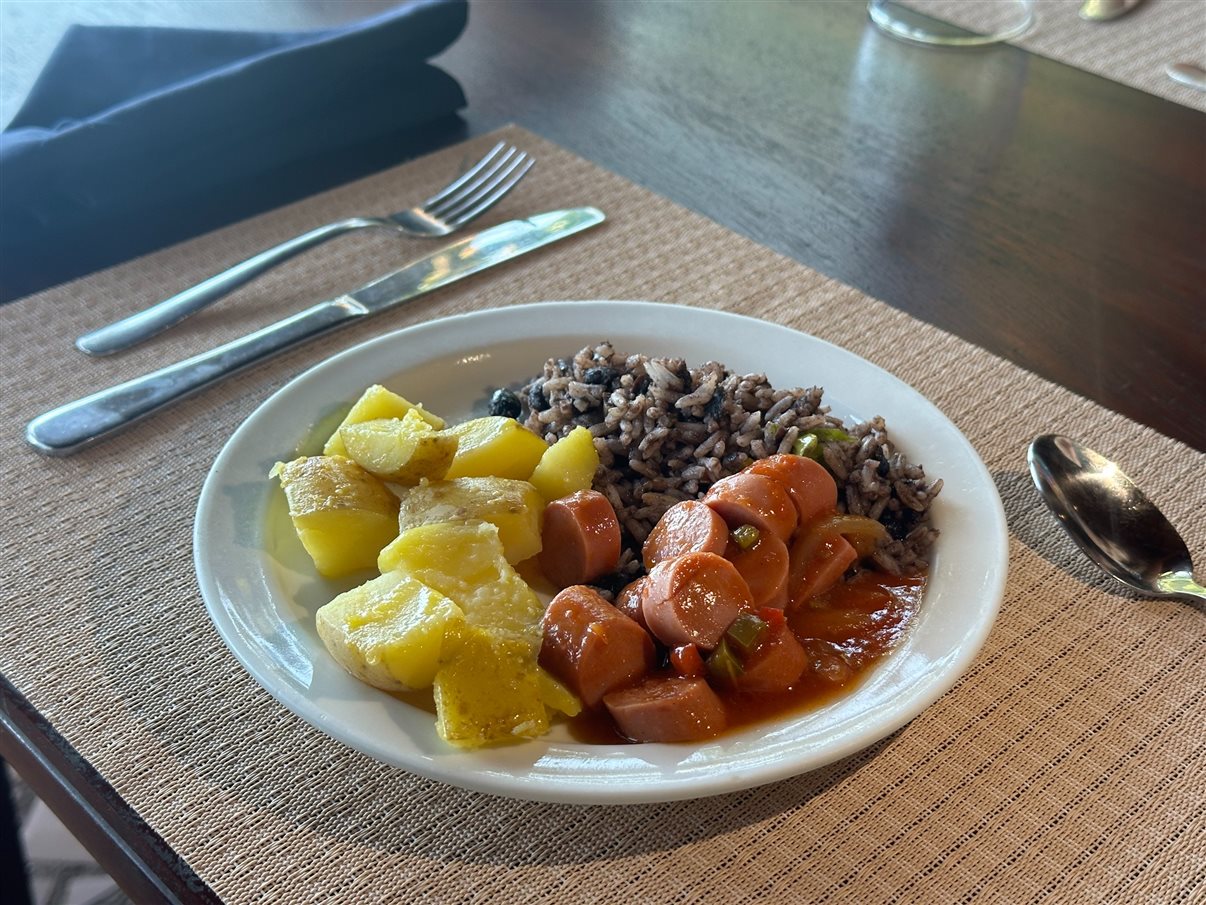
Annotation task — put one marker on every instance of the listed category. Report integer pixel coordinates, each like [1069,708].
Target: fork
[469,196]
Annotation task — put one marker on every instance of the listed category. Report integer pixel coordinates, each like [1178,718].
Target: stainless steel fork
[451,208]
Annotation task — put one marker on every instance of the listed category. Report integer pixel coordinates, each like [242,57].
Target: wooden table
[1053,217]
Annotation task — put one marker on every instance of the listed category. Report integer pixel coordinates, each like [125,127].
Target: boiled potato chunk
[464,561]
[557,696]
[403,450]
[488,691]
[513,507]
[377,402]
[496,446]
[389,632]
[342,514]
[567,466]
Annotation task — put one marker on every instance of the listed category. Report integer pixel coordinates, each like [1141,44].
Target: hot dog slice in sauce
[774,665]
[580,539]
[693,598]
[754,499]
[591,646]
[811,488]
[822,570]
[686,527]
[669,709]
[764,566]
[628,601]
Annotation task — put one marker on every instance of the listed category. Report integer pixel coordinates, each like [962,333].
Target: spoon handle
[1181,584]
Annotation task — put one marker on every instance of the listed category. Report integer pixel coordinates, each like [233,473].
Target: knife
[75,425]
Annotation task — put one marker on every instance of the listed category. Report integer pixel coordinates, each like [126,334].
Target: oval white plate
[262,592]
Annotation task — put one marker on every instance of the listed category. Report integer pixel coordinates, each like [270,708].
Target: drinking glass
[952,23]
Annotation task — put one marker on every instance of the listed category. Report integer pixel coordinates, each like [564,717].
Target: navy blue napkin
[136,138]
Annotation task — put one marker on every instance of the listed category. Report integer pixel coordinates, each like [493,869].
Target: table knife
[78,424]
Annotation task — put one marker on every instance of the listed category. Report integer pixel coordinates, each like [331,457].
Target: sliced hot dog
[693,598]
[591,646]
[580,539]
[628,601]
[823,569]
[754,499]
[774,665]
[674,709]
[811,488]
[763,565]
[686,527]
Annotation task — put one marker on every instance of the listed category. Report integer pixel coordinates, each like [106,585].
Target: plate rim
[559,789]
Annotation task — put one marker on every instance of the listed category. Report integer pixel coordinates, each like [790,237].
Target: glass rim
[878,13]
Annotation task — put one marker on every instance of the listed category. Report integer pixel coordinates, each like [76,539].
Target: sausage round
[754,499]
[774,665]
[764,566]
[628,601]
[811,488]
[591,646]
[693,598]
[673,709]
[580,539]
[686,527]
[822,570]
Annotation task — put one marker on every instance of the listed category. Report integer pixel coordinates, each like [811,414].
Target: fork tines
[481,186]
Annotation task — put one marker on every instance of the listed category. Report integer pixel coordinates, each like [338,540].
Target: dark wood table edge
[138,859]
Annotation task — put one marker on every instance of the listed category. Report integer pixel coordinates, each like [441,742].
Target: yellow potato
[377,402]
[403,450]
[497,446]
[390,631]
[567,466]
[342,514]
[556,696]
[464,561]
[488,690]
[513,507]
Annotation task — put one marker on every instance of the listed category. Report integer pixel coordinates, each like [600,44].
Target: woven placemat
[1067,765]
[1132,49]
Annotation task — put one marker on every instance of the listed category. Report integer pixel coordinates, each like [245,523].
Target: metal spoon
[1189,74]
[1111,520]
[1105,10]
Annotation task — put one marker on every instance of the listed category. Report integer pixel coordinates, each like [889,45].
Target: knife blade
[85,421]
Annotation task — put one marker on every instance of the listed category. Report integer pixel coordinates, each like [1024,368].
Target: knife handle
[142,325]
[75,425]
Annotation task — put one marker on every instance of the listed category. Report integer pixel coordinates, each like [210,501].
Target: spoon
[1105,10]
[1189,74]
[1111,520]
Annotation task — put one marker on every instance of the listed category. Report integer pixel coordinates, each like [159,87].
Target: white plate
[262,593]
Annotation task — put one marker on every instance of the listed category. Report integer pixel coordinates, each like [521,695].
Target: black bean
[536,398]
[505,403]
[735,460]
[900,523]
[599,376]
[715,405]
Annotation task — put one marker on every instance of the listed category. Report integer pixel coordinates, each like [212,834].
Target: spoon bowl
[1106,10]
[1111,519]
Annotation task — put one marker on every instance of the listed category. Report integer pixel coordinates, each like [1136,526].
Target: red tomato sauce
[844,631]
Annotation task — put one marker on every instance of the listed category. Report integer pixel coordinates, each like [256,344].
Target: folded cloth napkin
[135,138]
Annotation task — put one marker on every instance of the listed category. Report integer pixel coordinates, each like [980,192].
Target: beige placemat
[1132,49]
[1068,764]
